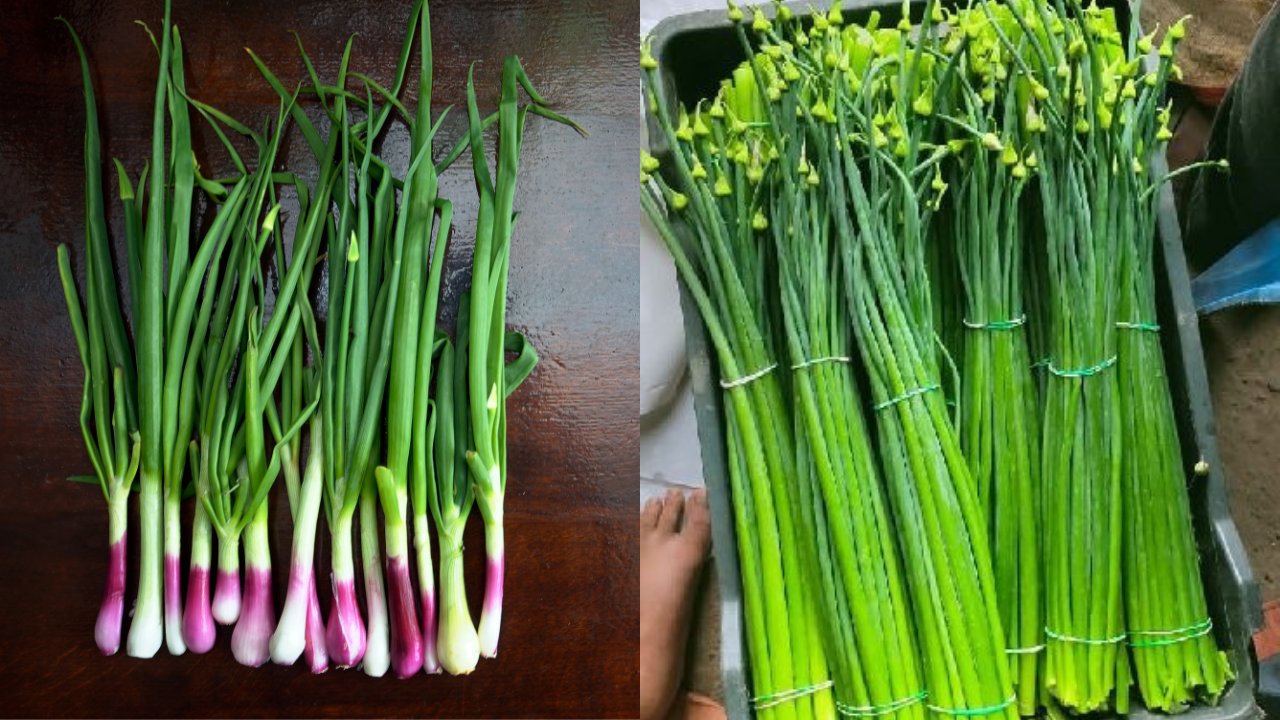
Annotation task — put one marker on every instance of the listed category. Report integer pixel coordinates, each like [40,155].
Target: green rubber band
[1084,641]
[772,699]
[906,396]
[1173,637]
[996,324]
[974,712]
[1083,372]
[878,710]
[1148,327]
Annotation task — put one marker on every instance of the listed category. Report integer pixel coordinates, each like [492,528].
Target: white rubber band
[731,384]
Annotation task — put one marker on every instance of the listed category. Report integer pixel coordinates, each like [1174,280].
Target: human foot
[674,537]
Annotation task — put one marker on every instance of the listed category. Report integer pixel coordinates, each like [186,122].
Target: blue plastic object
[1248,275]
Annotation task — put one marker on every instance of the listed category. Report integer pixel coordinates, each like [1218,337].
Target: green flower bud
[813,178]
[1082,126]
[1178,30]
[647,60]
[1145,43]
[1031,161]
[784,13]
[735,13]
[991,142]
[722,188]
[1019,171]
[1009,156]
[679,201]
[648,163]
[698,172]
[759,221]
[834,16]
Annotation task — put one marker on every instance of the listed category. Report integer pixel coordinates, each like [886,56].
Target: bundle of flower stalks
[942,529]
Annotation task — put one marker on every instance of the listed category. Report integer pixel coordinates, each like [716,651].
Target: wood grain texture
[570,632]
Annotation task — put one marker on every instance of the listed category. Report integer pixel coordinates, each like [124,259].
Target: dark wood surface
[570,632]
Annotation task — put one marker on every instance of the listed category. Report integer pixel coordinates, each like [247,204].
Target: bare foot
[674,538]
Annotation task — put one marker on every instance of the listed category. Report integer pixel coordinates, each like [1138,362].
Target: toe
[672,511]
[649,514]
[697,521]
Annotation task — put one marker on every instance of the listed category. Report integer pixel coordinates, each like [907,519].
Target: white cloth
[669,452]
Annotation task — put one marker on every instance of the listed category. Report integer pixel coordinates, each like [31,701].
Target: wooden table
[570,634]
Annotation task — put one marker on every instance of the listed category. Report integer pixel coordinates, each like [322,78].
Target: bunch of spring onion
[999,400]
[723,266]
[1175,658]
[212,360]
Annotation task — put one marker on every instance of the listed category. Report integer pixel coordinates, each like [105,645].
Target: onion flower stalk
[841,515]
[1087,668]
[722,267]
[1175,657]
[110,397]
[999,401]
[870,119]
[488,457]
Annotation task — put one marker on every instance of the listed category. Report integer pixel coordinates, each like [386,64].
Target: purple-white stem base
[315,652]
[107,630]
[226,597]
[430,660]
[345,636]
[406,637]
[251,640]
[198,629]
[491,611]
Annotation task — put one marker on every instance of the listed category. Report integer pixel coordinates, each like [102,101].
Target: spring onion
[488,457]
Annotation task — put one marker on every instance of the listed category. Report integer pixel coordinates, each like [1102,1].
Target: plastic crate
[695,52]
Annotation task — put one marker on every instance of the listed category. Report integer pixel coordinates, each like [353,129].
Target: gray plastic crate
[695,52]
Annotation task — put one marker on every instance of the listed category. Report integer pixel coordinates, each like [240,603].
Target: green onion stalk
[842,519]
[720,261]
[999,405]
[488,457]
[301,628]
[268,350]
[341,401]
[221,489]
[1176,659]
[1081,194]
[147,631]
[414,333]
[871,119]
[109,398]
[440,481]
